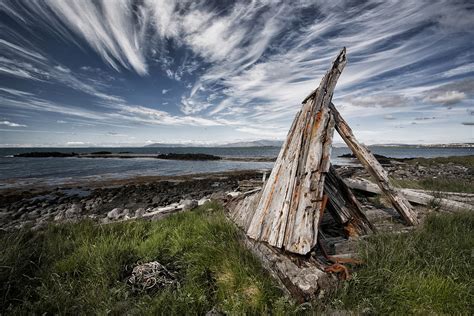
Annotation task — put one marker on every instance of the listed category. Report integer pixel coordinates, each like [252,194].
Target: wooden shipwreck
[282,221]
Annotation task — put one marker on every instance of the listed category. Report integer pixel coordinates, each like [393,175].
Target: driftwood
[287,213]
[344,206]
[302,279]
[368,160]
[411,195]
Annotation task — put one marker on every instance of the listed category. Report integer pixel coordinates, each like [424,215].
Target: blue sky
[127,73]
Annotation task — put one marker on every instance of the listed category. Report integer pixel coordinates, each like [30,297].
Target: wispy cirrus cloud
[246,65]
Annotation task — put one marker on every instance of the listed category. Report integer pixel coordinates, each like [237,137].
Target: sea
[16,172]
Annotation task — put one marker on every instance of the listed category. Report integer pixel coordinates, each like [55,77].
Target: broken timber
[281,220]
[411,195]
[344,206]
[368,160]
[287,214]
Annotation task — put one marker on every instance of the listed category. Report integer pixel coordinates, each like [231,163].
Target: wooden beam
[344,206]
[411,195]
[368,160]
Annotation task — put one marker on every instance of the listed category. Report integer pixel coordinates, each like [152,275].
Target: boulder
[73,211]
[114,214]
[139,212]
[189,204]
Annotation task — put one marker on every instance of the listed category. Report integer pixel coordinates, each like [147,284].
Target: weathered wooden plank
[344,206]
[411,195]
[288,210]
[304,280]
[368,160]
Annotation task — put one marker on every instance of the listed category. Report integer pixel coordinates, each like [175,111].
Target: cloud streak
[11,124]
[244,65]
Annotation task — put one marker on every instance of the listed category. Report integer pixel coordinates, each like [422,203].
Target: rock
[104,220]
[59,216]
[73,212]
[33,215]
[3,215]
[139,212]
[189,204]
[114,214]
[218,196]
[40,223]
[203,201]
[233,194]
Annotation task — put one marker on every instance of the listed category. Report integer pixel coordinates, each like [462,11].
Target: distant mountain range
[255,143]
[279,143]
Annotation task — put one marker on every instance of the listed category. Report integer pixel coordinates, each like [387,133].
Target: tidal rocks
[380,158]
[188,157]
[46,154]
[101,153]
[119,202]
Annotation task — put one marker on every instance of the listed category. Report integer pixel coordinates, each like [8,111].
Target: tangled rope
[150,275]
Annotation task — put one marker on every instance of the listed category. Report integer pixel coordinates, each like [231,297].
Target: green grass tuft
[429,271]
[466,161]
[81,268]
[438,184]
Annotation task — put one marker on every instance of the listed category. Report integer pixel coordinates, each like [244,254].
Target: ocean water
[20,172]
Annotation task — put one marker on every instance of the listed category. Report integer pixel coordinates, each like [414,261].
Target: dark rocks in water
[188,157]
[101,153]
[380,158]
[46,154]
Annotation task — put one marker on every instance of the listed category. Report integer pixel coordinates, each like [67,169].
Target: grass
[466,161]
[429,271]
[438,184]
[81,269]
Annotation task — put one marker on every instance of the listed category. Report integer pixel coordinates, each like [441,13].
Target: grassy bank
[466,161]
[440,183]
[429,271]
[81,269]
[436,185]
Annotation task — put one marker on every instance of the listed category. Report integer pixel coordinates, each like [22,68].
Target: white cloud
[389,117]
[62,68]
[76,143]
[253,62]
[11,124]
[447,98]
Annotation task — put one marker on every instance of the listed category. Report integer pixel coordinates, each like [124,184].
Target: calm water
[17,172]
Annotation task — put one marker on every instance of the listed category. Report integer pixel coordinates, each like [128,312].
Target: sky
[130,73]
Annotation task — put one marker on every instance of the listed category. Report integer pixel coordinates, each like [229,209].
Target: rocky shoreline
[129,155]
[113,199]
[105,201]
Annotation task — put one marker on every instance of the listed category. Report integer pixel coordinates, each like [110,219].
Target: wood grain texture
[344,206]
[412,196]
[287,213]
[371,164]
